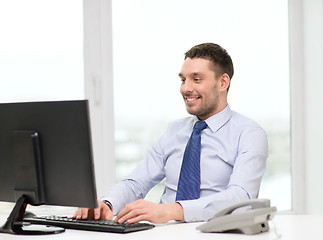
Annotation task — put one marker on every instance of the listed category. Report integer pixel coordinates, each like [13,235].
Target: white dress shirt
[233,160]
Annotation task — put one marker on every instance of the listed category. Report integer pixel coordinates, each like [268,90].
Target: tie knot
[200,126]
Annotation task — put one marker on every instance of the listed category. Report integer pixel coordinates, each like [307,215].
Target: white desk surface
[291,227]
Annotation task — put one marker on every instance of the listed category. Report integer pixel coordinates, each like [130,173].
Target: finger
[128,208]
[77,212]
[137,218]
[81,213]
[124,211]
[97,213]
[130,214]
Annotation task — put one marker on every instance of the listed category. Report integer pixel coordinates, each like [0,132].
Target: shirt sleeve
[245,180]
[146,175]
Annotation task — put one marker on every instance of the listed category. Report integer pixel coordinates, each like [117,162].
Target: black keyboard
[88,224]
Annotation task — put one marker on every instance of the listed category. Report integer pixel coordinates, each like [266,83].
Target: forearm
[204,208]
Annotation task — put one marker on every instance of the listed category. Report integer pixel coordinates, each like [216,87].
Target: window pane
[41,50]
[150,39]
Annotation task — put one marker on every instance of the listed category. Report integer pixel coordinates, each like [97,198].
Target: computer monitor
[45,156]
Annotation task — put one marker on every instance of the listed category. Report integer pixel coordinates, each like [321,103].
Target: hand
[142,210]
[101,212]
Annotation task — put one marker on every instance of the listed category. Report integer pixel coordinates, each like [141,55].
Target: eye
[197,79]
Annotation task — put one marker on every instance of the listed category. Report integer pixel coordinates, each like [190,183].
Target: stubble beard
[203,111]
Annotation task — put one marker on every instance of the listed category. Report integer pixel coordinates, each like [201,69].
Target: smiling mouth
[189,99]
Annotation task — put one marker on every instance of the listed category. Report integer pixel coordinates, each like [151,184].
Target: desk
[291,227]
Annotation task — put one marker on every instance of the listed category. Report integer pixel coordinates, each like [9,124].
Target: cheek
[181,89]
[212,91]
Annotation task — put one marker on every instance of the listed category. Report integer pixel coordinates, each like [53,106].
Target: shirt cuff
[193,210]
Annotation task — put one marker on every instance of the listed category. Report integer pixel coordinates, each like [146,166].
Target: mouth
[191,99]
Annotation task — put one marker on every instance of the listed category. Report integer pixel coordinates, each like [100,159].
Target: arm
[135,186]
[124,195]
[146,175]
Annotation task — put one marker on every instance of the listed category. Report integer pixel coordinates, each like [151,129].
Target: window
[41,52]
[149,42]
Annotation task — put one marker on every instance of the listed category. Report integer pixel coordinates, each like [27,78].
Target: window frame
[297,105]
[98,80]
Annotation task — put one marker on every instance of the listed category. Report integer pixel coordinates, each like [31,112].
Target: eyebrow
[193,74]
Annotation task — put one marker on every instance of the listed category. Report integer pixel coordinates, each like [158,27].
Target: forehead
[196,65]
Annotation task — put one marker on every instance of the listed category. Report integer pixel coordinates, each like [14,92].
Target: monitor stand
[28,190]
[15,224]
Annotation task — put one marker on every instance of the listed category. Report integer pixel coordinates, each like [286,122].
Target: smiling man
[209,160]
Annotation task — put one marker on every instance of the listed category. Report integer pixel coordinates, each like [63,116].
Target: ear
[224,82]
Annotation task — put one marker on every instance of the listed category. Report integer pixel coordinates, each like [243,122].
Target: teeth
[190,99]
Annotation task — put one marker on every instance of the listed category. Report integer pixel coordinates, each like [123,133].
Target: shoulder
[178,127]
[242,122]
[247,130]
[182,123]
[175,131]
[250,133]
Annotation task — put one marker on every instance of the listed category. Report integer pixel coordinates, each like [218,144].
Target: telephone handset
[251,220]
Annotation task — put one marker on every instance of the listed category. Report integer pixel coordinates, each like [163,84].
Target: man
[232,153]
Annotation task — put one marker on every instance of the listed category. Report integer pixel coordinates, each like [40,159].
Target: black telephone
[251,220]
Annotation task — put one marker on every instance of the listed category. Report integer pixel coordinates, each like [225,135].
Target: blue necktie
[189,179]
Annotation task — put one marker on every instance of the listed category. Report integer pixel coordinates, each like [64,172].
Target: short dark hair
[216,54]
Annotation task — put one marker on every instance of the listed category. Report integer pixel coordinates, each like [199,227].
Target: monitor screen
[46,153]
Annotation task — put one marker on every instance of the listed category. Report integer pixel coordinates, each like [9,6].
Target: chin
[192,112]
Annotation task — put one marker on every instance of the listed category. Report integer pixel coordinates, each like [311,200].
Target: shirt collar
[216,121]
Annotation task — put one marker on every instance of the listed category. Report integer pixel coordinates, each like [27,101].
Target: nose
[187,86]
